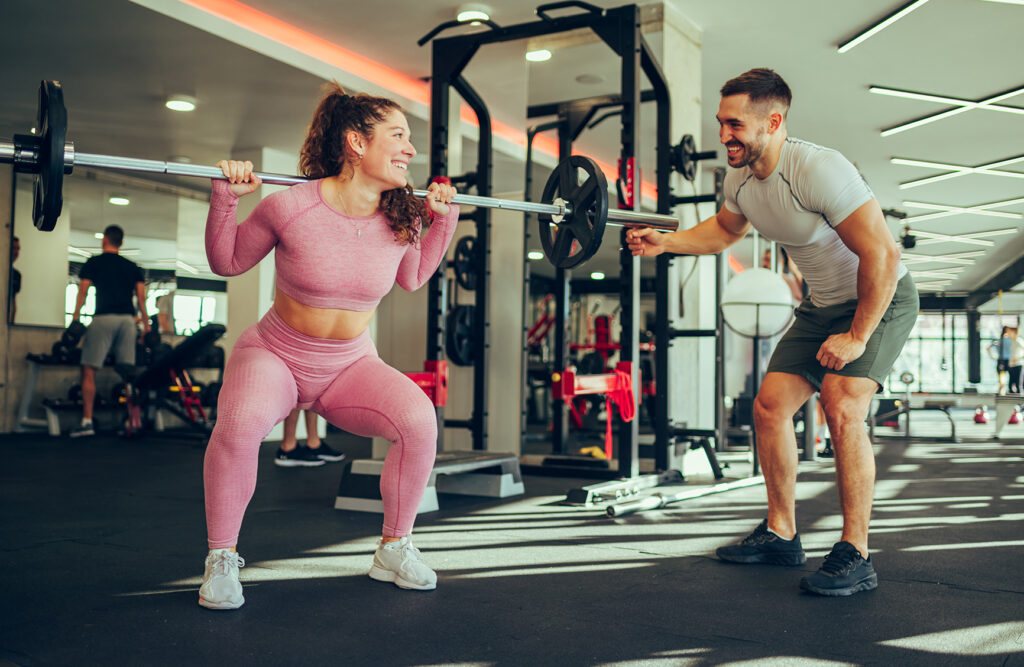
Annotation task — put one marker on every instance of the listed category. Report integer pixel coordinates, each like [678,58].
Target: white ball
[757,302]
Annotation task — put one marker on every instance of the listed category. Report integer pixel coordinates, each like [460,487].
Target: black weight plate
[687,166]
[459,335]
[578,237]
[52,126]
[465,262]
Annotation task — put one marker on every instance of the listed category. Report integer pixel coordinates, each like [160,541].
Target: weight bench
[904,407]
[465,473]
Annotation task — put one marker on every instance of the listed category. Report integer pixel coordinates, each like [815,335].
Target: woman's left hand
[439,195]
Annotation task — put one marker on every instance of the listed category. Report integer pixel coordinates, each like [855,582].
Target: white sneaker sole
[289,463]
[380,574]
[221,605]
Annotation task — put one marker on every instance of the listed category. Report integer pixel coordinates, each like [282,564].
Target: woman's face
[389,152]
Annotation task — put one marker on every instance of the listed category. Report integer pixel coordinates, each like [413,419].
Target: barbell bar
[572,216]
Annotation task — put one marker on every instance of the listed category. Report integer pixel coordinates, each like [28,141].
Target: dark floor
[103,544]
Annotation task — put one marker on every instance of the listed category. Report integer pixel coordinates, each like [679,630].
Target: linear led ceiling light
[964,258]
[880,26]
[954,170]
[974,238]
[946,211]
[960,106]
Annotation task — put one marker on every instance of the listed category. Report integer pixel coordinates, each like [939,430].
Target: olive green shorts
[797,350]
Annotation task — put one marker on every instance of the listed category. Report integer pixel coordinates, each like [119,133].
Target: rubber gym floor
[103,543]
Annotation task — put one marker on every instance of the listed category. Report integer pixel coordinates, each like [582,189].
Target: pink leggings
[272,369]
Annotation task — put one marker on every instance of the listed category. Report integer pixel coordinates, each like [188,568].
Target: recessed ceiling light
[535,255]
[98,235]
[538,55]
[118,200]
[596,275]
[473,12]
[181,103]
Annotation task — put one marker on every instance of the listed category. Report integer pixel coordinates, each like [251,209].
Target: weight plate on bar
[52,127]
[459,335]
[465,262]
[581,183]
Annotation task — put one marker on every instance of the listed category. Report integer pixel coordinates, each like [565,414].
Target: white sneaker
[221,589]
[399,562]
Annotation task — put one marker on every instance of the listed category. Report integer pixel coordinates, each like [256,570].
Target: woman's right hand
[239,175]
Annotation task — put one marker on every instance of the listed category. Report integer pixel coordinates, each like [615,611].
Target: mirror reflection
[163,235]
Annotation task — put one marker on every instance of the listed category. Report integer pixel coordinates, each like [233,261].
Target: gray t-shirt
[812,190]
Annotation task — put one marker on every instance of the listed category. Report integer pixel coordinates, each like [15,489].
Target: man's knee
[843,411]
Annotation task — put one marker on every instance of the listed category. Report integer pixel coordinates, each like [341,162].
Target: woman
[341,241]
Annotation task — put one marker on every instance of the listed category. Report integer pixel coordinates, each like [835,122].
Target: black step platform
[464,473]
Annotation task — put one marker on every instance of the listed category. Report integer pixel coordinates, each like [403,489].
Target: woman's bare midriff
[333,323]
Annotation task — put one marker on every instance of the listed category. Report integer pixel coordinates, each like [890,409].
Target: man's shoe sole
[789,560]
[380,574]
[869,584]
[220,606]
[288,463]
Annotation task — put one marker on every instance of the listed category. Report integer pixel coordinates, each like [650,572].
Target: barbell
[572,216]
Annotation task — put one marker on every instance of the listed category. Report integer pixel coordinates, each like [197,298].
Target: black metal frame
[620,29]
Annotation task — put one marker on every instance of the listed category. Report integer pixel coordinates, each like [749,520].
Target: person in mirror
[315,452]
[846,335]
[15,285]
[341,240]
[113,327]
[1000,350]
[165,313]
[1013,364]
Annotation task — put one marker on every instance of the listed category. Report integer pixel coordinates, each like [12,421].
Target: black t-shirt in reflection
[115,278]
[15,281]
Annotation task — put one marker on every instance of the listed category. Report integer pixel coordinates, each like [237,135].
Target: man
[847,333]
[113,323]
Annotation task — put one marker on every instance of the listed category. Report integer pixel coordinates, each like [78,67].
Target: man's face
[743,131]
[15,249]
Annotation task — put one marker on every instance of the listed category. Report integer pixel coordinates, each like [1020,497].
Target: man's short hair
[764,87]
[114,235]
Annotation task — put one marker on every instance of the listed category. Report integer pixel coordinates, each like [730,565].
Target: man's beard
[752,151]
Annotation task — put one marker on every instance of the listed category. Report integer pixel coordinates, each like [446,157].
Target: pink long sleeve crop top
[324,258]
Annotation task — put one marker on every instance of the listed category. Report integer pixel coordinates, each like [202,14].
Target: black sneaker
[844,572]
[82,430]
[300,456]
[325,453]
[762,546]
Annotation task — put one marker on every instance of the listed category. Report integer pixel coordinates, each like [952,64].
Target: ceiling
[118,60]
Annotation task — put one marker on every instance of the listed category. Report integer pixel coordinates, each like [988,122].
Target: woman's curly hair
[325,152]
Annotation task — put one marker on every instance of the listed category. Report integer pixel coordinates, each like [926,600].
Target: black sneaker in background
[325,453]
[844,572]
[298,457]
[82,430]
[763,546]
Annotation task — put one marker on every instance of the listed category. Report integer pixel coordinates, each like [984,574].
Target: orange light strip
[311,45]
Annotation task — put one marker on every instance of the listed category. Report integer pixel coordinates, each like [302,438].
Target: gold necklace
[344,210]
